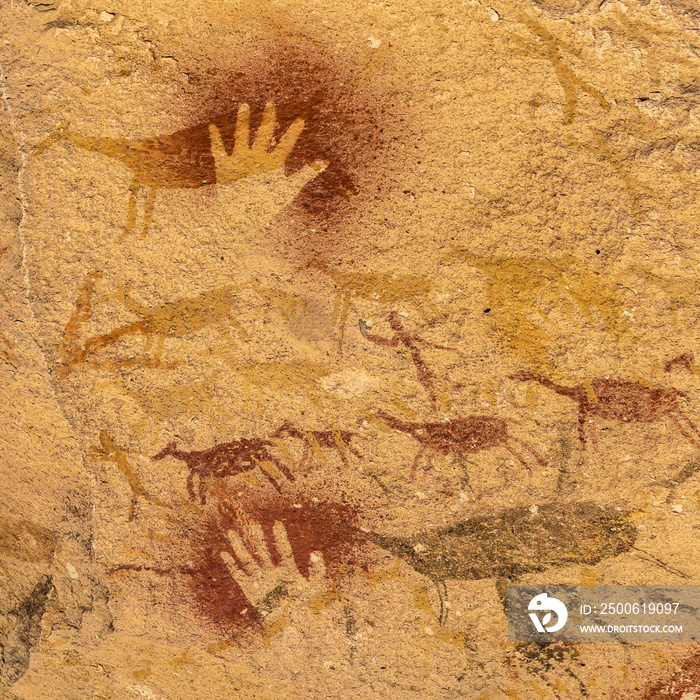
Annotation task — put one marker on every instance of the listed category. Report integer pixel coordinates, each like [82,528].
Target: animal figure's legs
[342,455]
[159,348]
[134,189]
[312,444]
[344,312]
[582,420]
[202,489]
[343,444]
[540,459]
[10,346]
[269,476]
[682,430]
[518,456]
[419,454]
[282,467]
[190,485]
[304,457]
[353,450]
[148,211]
[692,425]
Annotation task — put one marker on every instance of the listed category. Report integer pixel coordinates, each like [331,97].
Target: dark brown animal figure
[315,439]
[517,541]
[460,435]
[223,460]
[621,400]
[410,341]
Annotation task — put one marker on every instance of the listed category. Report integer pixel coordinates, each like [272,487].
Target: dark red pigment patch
[686,679]
[347,123]
[216,598]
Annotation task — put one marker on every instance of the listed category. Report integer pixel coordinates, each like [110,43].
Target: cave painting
[109,451]
[193,157]
[257,580]
[226,459]
[178,318]
[167,403]
[379,288]
[515,542]
[25,636]
[314,440]
[411,342]
[460,436]
[522,290]
[621,400]
[74,352]
[276,377]
[249,555]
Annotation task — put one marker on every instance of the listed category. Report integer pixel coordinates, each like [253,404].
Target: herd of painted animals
[501,547]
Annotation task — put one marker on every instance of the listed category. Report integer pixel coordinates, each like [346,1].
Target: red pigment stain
[348,123]
[213,594]
[686,680]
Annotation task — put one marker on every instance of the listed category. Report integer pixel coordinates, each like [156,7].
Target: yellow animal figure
[550,48]
[286,377]
[109,451]
[174,319]
[71,351]
[520,287]
[386,289]
[192,157]
[170,403]
[286,304]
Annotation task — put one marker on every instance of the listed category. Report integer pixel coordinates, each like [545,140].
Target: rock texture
[321,323]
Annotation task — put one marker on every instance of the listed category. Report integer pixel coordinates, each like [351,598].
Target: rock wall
[320,324]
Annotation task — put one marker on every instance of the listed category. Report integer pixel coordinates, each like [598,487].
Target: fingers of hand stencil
[286,144]
[241,551]
[263,138]
[317,567]
[282,544]
[258,537]
[241,143]
[237,574]
[307,173]
[218,149]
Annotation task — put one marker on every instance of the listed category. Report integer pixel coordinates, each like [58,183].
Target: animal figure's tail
[59,135]
[394,422]
[572,392]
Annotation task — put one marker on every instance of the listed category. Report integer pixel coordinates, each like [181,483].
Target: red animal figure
[315,439]
[471,434]
[410,341]
[223,460]
[686,360]
[617,399]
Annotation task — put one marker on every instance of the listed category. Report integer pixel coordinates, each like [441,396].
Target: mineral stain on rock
[23,638]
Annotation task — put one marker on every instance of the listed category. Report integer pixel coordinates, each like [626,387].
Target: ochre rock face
[561,8]
[320,325]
